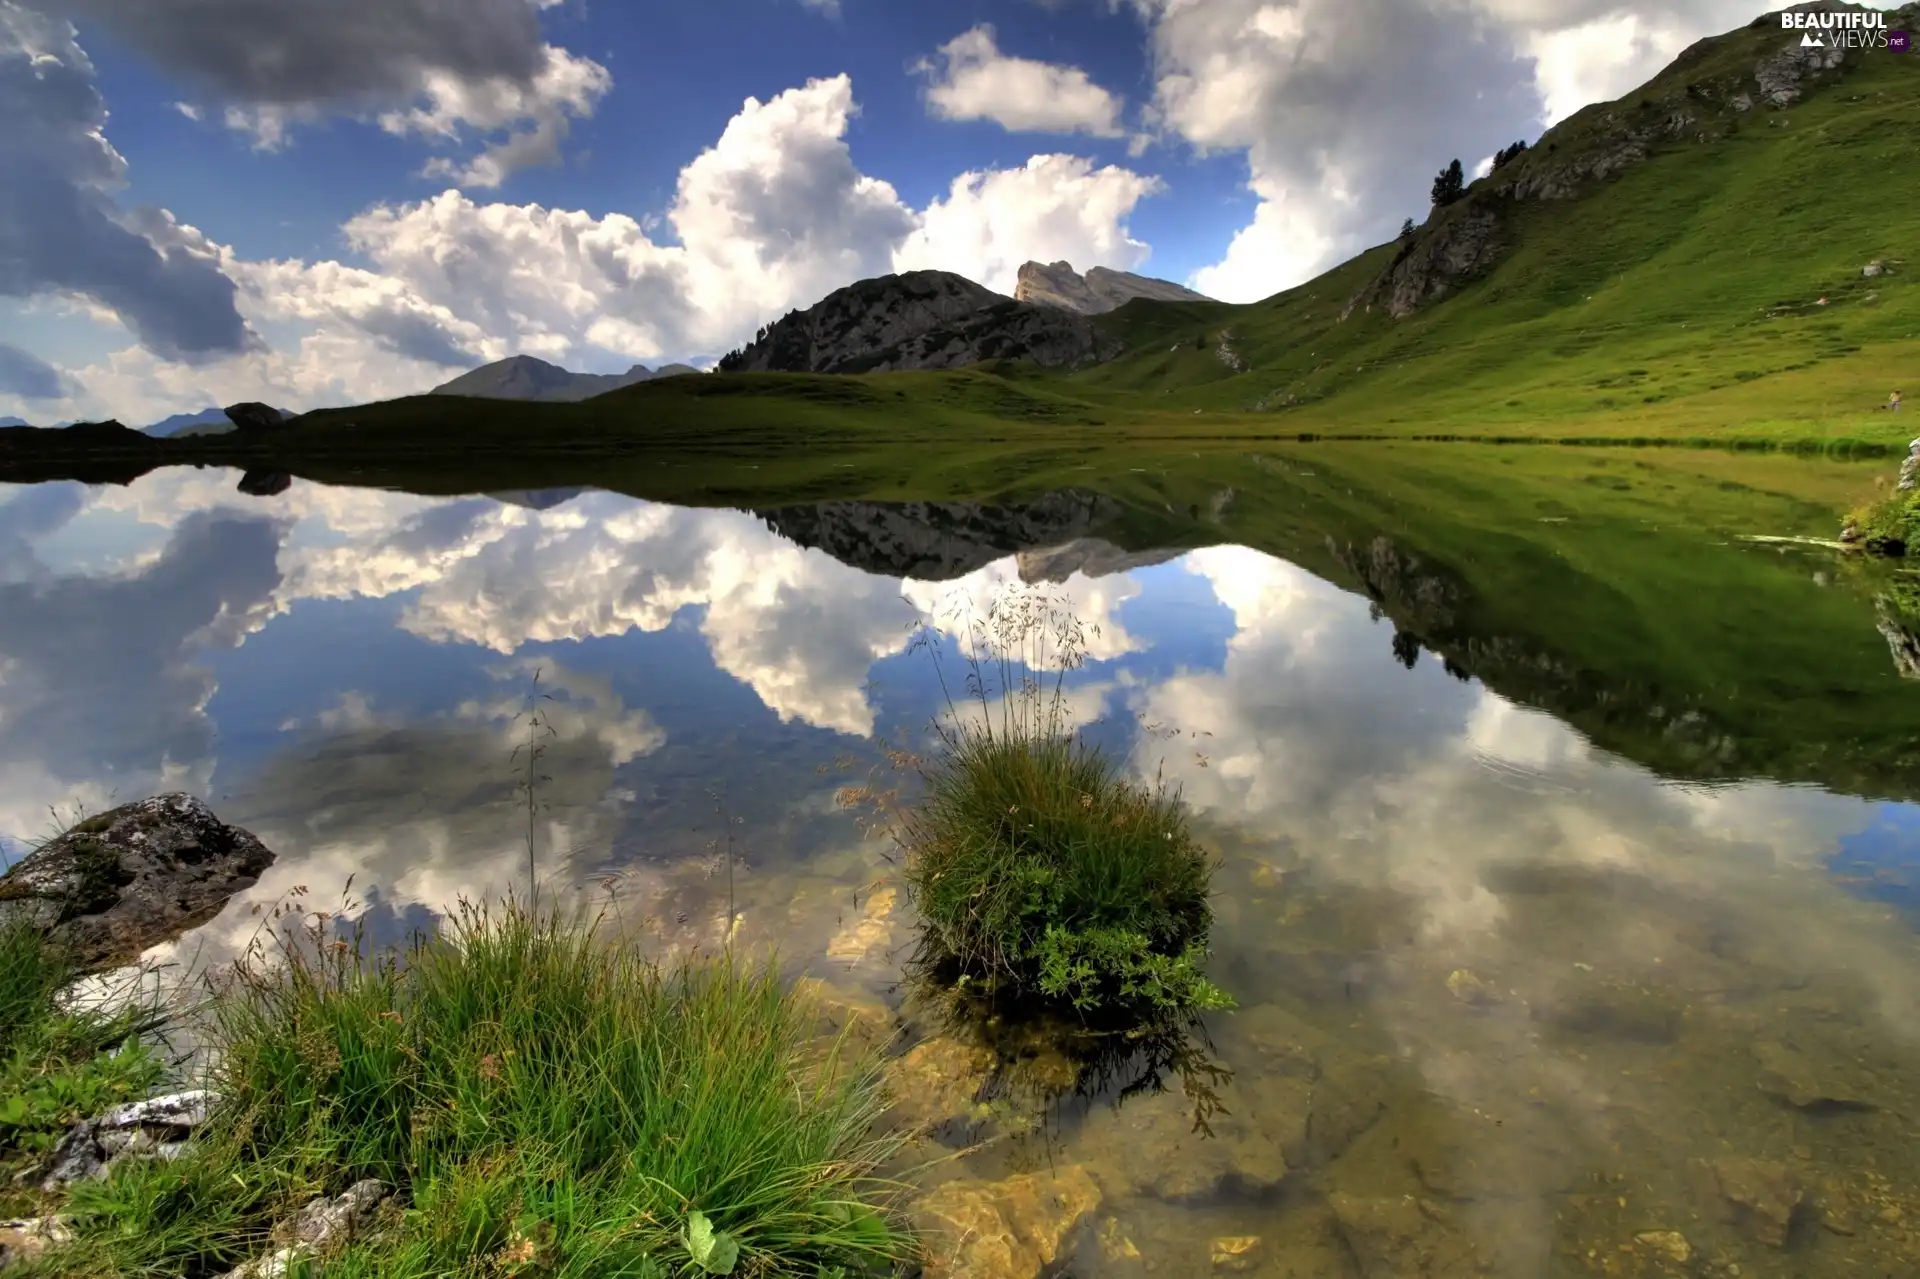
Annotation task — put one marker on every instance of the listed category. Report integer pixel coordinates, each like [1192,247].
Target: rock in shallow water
[115,884]
[1401,1237]
[1011,1229]
[1759,1195]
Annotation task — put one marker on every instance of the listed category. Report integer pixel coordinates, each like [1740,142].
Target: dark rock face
[252,416]
[127,879]
[939,541]
[920,320]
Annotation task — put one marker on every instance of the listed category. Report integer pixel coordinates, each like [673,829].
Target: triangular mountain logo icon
[1812,41]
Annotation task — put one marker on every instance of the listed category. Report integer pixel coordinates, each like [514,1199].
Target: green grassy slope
[1677,297]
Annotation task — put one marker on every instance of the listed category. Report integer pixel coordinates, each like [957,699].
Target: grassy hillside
[1680,296]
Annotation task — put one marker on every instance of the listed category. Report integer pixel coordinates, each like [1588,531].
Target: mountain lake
[1569,852]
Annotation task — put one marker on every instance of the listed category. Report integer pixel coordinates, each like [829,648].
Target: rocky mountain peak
[1101,289]
[918,320]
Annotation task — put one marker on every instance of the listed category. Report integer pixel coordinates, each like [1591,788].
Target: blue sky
[328,201]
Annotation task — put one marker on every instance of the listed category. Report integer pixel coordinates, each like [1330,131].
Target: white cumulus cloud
[973,80]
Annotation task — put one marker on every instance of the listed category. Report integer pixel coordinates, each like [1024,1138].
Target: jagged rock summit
[919,320]
[526,377]
[1100,290]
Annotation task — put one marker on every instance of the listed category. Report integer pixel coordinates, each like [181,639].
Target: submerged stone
[1236,1254]
[1760,1196]
[1670,1244]
[1403,1237]
[134,876]
[937,1081]
[1154,1144]
[1012,1229]
[1790,1075]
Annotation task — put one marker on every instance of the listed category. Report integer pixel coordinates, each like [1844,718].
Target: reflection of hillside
[1810,698]
[1678,729]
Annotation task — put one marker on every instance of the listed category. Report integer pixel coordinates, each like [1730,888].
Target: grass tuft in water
[1038,868]
[546,1102]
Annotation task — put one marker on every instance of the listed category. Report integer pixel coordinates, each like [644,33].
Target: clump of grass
[60,1063]
[1038,868]
[546,1102]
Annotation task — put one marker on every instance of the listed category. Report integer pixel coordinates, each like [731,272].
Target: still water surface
[1509,1004]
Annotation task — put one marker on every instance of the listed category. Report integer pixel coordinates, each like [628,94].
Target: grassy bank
[542,1100]
[58,1064]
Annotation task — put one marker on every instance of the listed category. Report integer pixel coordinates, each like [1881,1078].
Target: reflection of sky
[347,667]
[1883,861]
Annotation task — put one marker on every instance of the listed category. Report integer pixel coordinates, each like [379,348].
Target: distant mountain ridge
[919,320]
[182,422]
[1098,291]
[526,377]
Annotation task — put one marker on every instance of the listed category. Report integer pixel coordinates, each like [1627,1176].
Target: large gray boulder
[115,884]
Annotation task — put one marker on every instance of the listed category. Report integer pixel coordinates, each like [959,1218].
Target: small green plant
[714,1251]
[545,1102]
[1038,868]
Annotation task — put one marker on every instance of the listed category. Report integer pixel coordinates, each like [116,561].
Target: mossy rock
[119,882]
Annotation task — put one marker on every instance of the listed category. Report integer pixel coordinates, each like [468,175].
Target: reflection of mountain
[939,541]
[538,499]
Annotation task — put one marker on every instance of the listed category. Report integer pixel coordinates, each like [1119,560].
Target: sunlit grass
[545,1100]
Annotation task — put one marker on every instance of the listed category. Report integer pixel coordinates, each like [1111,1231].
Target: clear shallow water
[1510,1005]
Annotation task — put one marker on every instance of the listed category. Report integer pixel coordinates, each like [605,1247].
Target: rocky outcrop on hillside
[939,541]
[919,320]
[1433,264]
[1100,290]
[1780,77]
